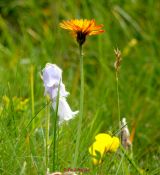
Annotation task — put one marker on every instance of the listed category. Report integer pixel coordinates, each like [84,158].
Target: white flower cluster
[52,78]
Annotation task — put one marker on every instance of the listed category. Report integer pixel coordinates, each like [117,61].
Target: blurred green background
[30,37]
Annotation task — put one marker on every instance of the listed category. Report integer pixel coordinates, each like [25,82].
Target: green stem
[47,135]
[119,112]
[81,108]
[55,138]
[118,104]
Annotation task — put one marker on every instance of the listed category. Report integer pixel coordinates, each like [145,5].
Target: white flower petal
[63,92]
[52,75]
[64,110]
[53,92]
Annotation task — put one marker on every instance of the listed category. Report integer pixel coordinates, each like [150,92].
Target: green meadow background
[30,37]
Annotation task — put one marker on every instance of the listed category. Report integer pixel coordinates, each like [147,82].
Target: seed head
[118,61]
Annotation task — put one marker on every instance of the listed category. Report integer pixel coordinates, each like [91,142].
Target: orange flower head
[80,28]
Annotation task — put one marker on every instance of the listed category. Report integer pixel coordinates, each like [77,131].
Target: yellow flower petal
[103,136]
[106,139]
[97,147]
[97,150]
[115,144]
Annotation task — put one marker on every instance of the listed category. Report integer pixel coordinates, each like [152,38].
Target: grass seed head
[118,61]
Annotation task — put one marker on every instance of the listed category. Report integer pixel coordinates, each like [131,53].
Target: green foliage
[30,36]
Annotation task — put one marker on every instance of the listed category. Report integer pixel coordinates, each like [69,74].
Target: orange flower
[80,28]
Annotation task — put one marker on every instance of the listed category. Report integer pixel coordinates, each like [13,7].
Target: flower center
[81,37]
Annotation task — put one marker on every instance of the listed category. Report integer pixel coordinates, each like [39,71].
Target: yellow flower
[80,28]
[104,143]
[19,103]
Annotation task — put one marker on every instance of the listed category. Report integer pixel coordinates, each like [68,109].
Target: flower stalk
[55,131]
[117,67]
[47,132]
[81,106]
[118,104]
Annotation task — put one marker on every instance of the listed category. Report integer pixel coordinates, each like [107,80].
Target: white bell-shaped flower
[52,78]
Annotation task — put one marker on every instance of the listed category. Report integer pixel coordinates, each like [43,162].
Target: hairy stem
[81,108]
